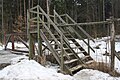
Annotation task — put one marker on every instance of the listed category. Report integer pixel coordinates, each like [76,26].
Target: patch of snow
[6,56]
[89,74]
[31,70]
[1,47]
[18,59]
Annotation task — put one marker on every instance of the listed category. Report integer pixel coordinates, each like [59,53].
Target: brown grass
[103,67]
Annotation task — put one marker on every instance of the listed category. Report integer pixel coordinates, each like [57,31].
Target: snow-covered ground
[23,69]
[89,74]
[31,70]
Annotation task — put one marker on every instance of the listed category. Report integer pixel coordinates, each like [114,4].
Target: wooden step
[69,54]
[67,34]
[70,61]
[76,47]
[57,44]
[74,43]
[53,38]
[70,38]
[90,61]
[76,68]
[33,32]
[85,57]
[33,26]
[63,48]
[56,34]
[80,52]
[59,38]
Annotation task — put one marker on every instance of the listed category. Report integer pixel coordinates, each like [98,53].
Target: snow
[6,56]
[31,70]
[18,59]
[104,45]
[1,46]
[23,69]
[89,74]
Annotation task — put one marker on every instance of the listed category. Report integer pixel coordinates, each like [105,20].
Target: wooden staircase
[58,40]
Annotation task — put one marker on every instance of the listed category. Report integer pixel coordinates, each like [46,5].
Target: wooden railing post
[38,33]
[88,46]
[28,24]
[55,18]
[13,46]
[31,47]
[112,43]
[62,53]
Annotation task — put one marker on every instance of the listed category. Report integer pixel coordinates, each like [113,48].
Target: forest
[14,13]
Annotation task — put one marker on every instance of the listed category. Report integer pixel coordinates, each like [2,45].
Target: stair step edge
[76,47]
[70,61]
[60,49]
[75,68]
[89,62]
[80,52]
[69,54]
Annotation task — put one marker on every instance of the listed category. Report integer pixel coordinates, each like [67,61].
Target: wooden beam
[81,24]
[38,33]
[31,47]
[112,44]
[12,38]
[62,53]
[33,8]
[25,43]
[6,43]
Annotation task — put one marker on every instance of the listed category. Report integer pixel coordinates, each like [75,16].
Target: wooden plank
[18,50]
[70,61]
[6,43]
[38,34]
[31,47]
[112,45]
[82,24]
[75,68]
[62,53]
[69,54]
[31,9]
[25,43]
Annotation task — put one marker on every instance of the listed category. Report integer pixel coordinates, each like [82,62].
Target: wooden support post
[55,18]
[12,38]
[112,44]
[62,53]
[31,47]
[38,35]
[2,24]
[28,24]
[88,46]
[6,42]
[4,39]
[25,15]
[48,12]
[66,19]
[55,21]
